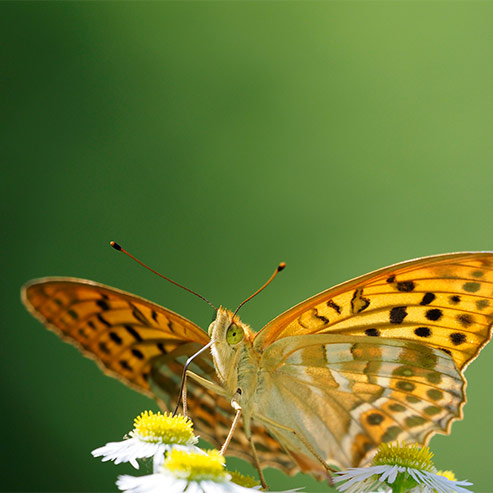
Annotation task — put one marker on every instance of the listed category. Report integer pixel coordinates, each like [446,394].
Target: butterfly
[376,359]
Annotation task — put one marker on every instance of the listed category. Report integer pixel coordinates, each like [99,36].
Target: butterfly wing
[145,346]
[122,332]
[347,394]
[428,317]
[444,301]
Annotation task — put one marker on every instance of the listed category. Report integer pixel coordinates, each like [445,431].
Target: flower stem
[403,482]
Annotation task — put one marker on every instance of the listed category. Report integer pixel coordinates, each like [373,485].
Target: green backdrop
[213,140]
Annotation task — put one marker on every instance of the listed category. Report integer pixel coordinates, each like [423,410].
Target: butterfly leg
[255,458]
[300,437]
[237,408]
[184,396]
[182,392]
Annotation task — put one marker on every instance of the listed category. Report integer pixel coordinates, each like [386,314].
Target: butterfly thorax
[234,357]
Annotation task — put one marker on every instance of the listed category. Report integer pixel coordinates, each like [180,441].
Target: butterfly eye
[234,334]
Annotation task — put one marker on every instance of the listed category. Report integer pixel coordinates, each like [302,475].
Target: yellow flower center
[405,456]
[196,466]
[447,474]
[243,480]
[164,428]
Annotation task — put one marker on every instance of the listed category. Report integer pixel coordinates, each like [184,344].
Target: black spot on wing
[427,299]
[137,353]
[457,338]
[465,319]
[103,305]
[133,333]
[434,314]
[116,338]
[455,299]
[359,302]
[139,316]
[398,314]
[334,305]
[325,320]
[405,286]
[124,364]
[103,347]
[422,332]
[372,332]
[103,320]
[390,279]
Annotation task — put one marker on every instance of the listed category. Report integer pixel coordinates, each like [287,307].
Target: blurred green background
[214,140]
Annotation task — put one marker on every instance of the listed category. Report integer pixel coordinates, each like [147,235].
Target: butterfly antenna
[280,267]
[118,247]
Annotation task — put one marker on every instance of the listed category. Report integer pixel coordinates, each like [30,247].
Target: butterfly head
[228,329]
[230,338]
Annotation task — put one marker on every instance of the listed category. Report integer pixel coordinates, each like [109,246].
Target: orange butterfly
[376,359]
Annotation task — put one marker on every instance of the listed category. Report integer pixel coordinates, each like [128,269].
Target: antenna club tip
[282,265]
[116,246]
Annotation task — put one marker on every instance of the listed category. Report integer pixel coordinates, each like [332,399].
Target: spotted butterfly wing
[376,359]
[145,346]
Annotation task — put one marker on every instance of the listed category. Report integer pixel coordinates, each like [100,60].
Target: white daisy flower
[402,469]
[153,435]
[192,472]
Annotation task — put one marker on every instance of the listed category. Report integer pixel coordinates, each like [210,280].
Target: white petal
[355,476]
[209,486]
[202,486]
[359,473]
[152,483]
[390,474]
[158,459]
[445,485]
[368,485]
[413,473]
[129,450]
[355,485]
